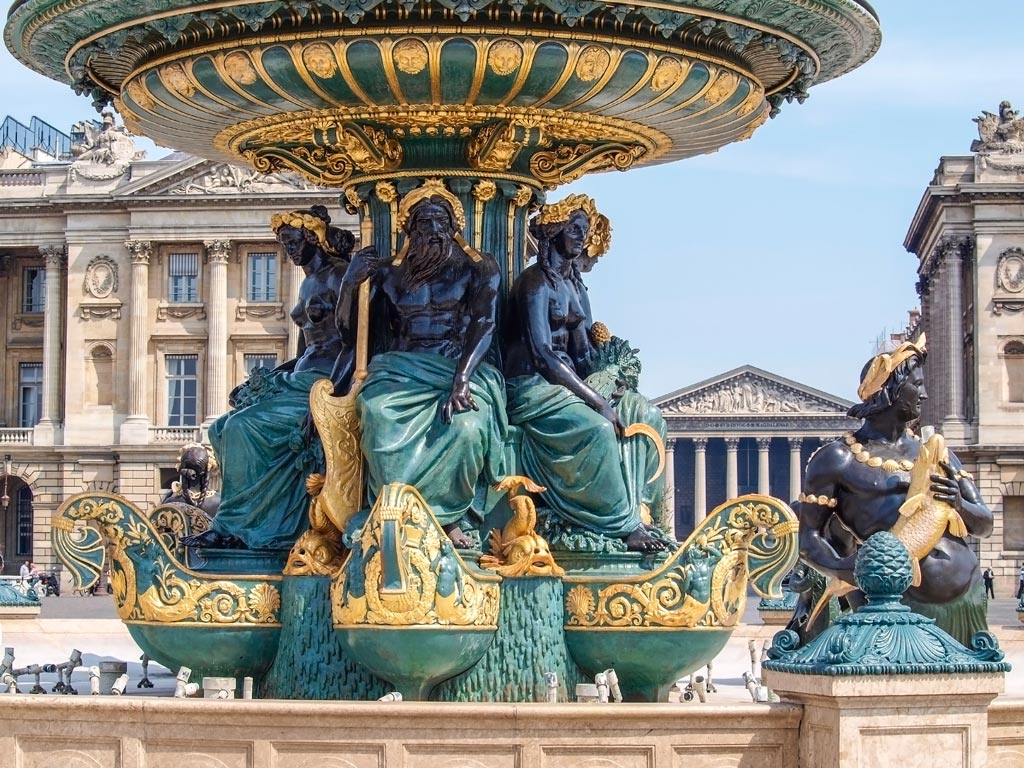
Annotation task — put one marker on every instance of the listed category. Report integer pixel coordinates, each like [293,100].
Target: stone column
[295,278]
[217,254]
[732,445]
[763,468]
[135,429]
[47,431]
[670,486]
[795,470]
[953,425]
[700,474]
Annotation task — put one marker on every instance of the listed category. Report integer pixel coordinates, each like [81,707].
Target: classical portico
[744,431]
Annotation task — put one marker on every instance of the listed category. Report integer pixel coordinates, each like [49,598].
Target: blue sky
[785,251]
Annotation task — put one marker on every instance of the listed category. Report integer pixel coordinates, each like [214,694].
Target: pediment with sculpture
[749,391]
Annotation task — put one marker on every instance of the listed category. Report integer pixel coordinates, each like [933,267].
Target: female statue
[265,445]
[572,425]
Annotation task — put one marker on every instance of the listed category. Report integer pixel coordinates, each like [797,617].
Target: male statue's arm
[820,480]
[551,365]
[482,309]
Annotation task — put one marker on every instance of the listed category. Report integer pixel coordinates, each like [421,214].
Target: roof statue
[1001,138]
[102,151]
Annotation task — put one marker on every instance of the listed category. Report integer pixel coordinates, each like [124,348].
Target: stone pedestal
[899,720]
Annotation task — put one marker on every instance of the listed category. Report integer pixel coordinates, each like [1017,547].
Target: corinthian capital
[141,251]
[218,250]
[54,255]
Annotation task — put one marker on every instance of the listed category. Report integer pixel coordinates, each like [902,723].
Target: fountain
[484,105]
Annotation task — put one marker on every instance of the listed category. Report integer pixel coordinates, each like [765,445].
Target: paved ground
[90,624]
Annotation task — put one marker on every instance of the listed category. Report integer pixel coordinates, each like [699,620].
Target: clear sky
[785,251]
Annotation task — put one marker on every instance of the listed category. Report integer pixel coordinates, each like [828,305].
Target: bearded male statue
[432,410]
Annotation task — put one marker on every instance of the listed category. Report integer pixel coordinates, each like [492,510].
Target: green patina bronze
[884,637]
[498,101]
[528,645]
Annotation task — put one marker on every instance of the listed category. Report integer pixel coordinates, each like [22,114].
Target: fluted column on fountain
[135,429]
[47,431]
[217,254]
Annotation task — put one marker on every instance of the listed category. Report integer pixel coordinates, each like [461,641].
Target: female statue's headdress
[600,237]
[307,221]
[882,366]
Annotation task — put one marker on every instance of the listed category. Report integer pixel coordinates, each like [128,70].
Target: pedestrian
[990,579]
[30,575]
[1020,584]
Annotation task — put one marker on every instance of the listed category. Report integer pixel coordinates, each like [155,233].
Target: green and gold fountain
[494,103]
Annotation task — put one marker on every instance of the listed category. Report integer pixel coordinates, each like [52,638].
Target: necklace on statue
[861,454]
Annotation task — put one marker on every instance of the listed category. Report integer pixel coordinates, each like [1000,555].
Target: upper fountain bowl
[541,92]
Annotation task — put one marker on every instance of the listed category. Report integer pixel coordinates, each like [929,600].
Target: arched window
[1013,360]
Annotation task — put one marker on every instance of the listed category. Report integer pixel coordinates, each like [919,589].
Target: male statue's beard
[427,259]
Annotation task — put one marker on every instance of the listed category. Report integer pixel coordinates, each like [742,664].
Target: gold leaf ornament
[240,69]
[411,56]
[319,60]
[667,73]
[504,57]
[593,63]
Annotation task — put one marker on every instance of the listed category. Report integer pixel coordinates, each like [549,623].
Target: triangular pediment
[196,177]
[750,391]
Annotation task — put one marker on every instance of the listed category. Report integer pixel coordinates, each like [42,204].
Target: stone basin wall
[106,732]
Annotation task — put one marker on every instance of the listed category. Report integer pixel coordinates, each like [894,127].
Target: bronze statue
[572,425]
[432,410]
[192,485]
[858,485]
[265,444]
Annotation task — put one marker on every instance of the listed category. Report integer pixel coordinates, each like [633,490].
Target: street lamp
[5,499]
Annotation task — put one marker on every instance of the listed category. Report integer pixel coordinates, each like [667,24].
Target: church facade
[743,431]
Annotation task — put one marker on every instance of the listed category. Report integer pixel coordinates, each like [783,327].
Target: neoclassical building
[968,237]
[138,294]
[744,431]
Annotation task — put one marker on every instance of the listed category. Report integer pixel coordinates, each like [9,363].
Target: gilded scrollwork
[704,583]
[568,162]
[149,582]
[403,571]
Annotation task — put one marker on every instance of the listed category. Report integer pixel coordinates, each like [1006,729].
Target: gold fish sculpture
[923,518]
[518,550]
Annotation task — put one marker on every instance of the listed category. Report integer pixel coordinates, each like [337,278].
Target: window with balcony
[33,290]
[183,278]
[262,280]
[30,394]
[182,390]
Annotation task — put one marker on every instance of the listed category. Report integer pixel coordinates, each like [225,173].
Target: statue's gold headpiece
[301,220]
[600,237]
[883,365]
[431,188]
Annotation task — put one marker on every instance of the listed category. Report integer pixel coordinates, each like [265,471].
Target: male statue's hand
[946,488]
[608,412]
[458,401]
[364,264]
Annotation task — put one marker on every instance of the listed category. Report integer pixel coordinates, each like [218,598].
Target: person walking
[1020,583]
[989,579]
